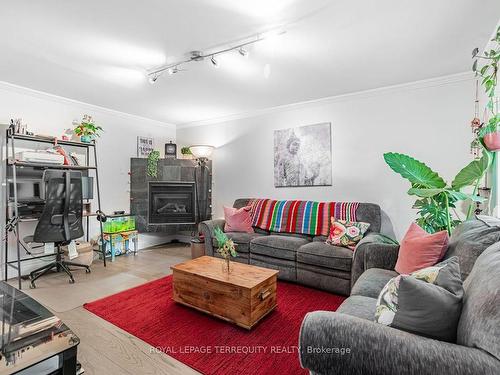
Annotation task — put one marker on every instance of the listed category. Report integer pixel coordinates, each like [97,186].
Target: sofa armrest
[208,229]
[336,343]
[373,251]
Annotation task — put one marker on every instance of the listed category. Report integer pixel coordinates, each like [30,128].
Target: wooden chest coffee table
[244,296]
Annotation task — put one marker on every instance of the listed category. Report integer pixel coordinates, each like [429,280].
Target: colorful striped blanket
[305,217]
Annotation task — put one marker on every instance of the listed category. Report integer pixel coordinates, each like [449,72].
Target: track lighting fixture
[194,56]
[214,62]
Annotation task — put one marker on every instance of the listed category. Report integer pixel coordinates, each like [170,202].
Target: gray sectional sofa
[379,349]
[302,258]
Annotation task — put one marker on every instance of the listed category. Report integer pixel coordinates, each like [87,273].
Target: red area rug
[210,345]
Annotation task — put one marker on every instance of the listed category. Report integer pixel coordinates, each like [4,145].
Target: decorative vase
[227,266]
[86,138]
[492,141]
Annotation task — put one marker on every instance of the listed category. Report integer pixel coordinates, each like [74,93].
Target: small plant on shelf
[186,151]
[87,130]
[226,248]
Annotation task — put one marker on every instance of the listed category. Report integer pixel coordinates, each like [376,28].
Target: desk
[31,334]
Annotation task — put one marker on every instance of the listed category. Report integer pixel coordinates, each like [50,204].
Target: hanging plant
[153,163]
[488,72]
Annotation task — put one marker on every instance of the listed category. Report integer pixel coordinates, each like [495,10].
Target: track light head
[173,70]
[243,52]
[214,62]
[152,78]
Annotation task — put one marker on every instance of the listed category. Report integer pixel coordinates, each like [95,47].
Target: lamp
[201,153]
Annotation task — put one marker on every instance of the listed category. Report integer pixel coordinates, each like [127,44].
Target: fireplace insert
[172,203]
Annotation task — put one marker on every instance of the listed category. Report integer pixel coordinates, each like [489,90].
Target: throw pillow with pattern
[346,233]
[427,302]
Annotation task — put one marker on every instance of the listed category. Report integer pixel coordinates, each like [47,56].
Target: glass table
[32,336]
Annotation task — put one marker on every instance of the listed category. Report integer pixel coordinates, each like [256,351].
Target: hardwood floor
[104,348]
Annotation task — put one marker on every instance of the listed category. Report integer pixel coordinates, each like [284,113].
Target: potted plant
[87,130]
[226,249]
[186,152]
[489,133]
[436,200]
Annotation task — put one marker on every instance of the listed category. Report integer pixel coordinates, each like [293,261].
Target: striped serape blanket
[304,217]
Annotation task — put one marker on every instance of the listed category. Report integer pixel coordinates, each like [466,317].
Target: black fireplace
[172,203]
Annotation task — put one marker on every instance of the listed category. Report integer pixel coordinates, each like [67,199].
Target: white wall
[428,120]
[48,114]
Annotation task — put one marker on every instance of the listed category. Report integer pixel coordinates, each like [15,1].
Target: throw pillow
[346,233]
[420,249]
[238,219]
[427,302]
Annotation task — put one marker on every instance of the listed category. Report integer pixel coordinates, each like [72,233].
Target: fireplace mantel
[170,171]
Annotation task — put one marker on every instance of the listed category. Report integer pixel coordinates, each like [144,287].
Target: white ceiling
[97,51]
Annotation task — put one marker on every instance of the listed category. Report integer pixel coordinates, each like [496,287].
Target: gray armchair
[348,341]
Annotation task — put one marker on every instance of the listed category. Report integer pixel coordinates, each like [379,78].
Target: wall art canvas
[303,156]
[144,146]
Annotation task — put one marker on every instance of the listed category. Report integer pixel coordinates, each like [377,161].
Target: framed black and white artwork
[144,146]
[303,156]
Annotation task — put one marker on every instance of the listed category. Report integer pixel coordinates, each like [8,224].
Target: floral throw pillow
[346,233]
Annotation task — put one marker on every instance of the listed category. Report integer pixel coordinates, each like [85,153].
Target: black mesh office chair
[61,219]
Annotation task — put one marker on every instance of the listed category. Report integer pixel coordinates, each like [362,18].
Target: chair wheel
[87,270]
[71,281]
[32,285]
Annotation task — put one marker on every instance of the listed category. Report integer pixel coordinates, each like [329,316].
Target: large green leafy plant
[436,199]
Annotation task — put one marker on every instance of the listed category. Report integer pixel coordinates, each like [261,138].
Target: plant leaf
[463,197]
[413,170]
[471,173]
[425,193]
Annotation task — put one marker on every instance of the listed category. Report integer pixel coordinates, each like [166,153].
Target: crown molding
[10,87]
[426,83]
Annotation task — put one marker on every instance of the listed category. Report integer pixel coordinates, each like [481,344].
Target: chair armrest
[336,343]
[373,251]
[208,229]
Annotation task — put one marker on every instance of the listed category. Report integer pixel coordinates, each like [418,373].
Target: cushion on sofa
[237,220]
[420,249]
[325,255]
[346,233]
[479,325]
[241,239]
[372,281]
[359,306]
[470,239]
[427,302]
[284,247]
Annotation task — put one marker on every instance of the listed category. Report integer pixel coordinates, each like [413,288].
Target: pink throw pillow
[420,249]
[238,220]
